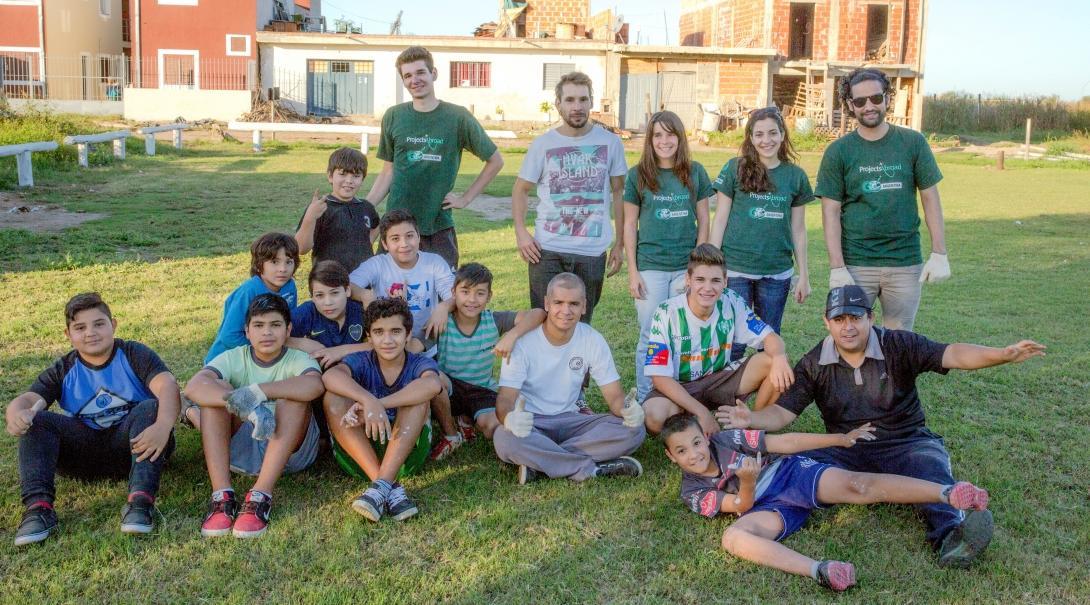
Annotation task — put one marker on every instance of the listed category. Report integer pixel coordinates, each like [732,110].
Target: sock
[945,494]
[814,570]
[223,492]
[455,438]
[383,486]
[267,496]
[142,494]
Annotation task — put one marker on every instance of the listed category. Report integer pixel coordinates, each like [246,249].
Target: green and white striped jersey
[684,347]
[468,357]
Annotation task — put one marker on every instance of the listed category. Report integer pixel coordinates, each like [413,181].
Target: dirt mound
[18,213]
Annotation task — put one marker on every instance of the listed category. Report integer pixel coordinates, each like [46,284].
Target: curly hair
[862,74]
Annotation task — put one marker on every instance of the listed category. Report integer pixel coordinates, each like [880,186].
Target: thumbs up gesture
[519,421]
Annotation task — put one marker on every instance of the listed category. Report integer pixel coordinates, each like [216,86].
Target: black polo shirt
[882,391]
[343,232]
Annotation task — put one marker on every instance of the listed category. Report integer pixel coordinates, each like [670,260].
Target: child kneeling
[774,495]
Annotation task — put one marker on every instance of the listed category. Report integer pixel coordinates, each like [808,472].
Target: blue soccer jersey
[367,373]
[308,322]
[232,332]
[101,396]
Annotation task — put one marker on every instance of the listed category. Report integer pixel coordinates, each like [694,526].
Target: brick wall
[695,27]
[740,81]
[853,31]
[729,23]
[544,15]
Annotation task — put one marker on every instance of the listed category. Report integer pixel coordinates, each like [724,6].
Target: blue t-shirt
[100,396]
[367,373]
[232,332]
[308,322]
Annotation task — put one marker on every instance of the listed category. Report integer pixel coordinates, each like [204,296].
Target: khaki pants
[896,288]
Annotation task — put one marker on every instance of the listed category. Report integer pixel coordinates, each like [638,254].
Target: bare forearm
[20,403]
[381,186]
[307,387]
[702,220]
[799,241]
[722,215]
[771,418]
[617,185]
[964,356]
[631,217]
[305,235]
[792,443]
[528,321]
[416,392]
[830,221]
[491,169]
[339,382]
[165,388]
[741,502]
[505,402]
[520,201]
[932,213]
[206,390]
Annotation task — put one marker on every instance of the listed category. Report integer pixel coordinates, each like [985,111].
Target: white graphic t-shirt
[425,284]
[572,176]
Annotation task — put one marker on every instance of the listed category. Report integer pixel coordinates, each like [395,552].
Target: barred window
[465,74]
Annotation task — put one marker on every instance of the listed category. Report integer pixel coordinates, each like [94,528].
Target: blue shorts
[792,493]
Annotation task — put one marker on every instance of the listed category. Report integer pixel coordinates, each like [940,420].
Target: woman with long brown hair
[760,219]
[666,198]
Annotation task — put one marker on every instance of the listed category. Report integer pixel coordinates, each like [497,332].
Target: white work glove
[840,277]
[632,412]
[519,421]
[936,269]
[248,403]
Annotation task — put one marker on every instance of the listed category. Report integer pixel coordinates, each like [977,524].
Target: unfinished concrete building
[815,42]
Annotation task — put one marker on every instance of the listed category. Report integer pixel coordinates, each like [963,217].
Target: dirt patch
[496,208]
[19,213]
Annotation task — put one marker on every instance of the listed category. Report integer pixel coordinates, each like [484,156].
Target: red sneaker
[465,427]
[965,496]
[445,446]
[837,575]
[222,510]
[254,518]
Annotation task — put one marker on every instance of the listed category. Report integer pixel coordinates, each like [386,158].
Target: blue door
[340,88]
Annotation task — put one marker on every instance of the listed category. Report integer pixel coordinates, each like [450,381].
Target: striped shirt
[684,347]
[468,357]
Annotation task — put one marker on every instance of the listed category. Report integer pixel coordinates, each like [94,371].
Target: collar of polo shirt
[829,354]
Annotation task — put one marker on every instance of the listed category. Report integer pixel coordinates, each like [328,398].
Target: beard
[576,122]
[871,121]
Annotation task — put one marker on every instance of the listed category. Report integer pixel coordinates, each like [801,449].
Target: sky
[992,47]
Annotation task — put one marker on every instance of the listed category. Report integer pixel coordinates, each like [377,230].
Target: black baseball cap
[851,300]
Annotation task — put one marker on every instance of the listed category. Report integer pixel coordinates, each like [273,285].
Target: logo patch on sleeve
[753,438]
[755,324]
[707,505]
[657,354]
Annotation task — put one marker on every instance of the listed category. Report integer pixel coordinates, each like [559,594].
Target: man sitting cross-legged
[377,408]
[543,431]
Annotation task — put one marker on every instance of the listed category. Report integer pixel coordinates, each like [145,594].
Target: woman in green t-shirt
[756,231]
[666,198]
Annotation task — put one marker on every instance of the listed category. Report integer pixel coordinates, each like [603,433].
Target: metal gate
[670,90]
[340,88]
[679,96]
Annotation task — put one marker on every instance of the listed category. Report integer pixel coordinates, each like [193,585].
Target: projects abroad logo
[881,170]
[423,155]
[759,213]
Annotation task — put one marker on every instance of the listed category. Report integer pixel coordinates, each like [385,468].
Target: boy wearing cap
[863,374]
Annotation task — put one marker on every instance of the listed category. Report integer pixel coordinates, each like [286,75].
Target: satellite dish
[618,23]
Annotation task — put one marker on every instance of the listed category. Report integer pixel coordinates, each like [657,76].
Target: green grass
[173,245]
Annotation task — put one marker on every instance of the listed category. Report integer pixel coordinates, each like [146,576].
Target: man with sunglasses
[867,184]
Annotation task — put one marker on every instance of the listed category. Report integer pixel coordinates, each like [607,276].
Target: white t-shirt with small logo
[549,376]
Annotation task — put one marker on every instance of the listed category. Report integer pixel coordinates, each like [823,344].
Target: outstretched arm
[793,443]
[963,356]
[771,418]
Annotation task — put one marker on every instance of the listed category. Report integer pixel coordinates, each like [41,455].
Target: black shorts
[714,390]
[470,400]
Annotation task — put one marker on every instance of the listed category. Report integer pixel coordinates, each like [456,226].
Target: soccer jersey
[684,347]
[704,495]
[100,396]
[367,373]
[425,284]
[308,322]
[232,332]
[468,357]
[343,232]
[240,367]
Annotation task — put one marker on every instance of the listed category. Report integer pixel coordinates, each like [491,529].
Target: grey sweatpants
[569,444]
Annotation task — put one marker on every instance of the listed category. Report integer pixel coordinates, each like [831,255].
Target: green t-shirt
[758,236]
[239,367]
[426,150]
[667,225]
[876,181]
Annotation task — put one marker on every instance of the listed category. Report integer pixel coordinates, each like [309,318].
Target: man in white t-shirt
[579,170]
[543,431]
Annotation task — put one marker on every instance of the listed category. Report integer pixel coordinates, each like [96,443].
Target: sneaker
[965,542]
[254,518]
[136,516]
[465,427]
[445,446]
[184,418]
[964,496]
[625,466]
[399,505]
[837,575]
[583,407]
[527,475]
[222,511]
[371,503]
[39,520]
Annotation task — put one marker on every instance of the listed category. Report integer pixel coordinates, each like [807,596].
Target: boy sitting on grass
[475,335]
[329,326]
[340,226]
[725,473]
[118,402]
[376,404]
[255,418]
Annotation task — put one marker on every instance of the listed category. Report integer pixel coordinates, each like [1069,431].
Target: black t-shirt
[882,391]
[343,232]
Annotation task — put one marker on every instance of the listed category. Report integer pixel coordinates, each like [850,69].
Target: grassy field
[173,245]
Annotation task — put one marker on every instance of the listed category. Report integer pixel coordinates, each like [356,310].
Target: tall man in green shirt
[867,184]
[421,146]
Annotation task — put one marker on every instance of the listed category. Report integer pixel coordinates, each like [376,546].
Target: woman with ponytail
[760,219]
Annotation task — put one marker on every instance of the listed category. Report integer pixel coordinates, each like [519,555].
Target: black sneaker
[136,516]
[253,520]
[222,511]
[836,575]
[39,520]
[965,542]
[625,466]
[527,475]
[370,504]
[399,505]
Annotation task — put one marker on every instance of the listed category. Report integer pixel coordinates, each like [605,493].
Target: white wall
[94,108]
[516,76]
[170,103]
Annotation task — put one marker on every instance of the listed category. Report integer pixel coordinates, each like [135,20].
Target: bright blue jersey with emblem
[232,332]
[101,396]
[308,322]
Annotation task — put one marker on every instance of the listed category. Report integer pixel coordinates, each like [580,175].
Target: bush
[962,112]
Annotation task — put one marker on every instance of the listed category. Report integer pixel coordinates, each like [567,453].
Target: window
[801,37]
[464,74]
[179,68]
[104,74]
[341,67]
[551,72]
[104,8]
[877,32]
[238,45]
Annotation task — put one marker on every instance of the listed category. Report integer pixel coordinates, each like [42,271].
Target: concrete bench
[22,153]
[84,141]
[261,127]
[149,135]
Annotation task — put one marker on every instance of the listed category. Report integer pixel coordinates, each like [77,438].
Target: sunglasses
[874,99]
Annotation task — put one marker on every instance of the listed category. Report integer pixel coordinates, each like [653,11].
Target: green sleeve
[301,363]
[631,193]
[926,170]
[702,184]
[386,138]
[803,193]
[226,364]
[724,183]
[474,138]
[830,180]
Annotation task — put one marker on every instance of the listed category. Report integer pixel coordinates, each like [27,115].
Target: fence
[962,113]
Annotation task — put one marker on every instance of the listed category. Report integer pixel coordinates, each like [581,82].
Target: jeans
[591,269]
[897,288]
[660,285]
[766,296]
[56,442]
[921,455]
